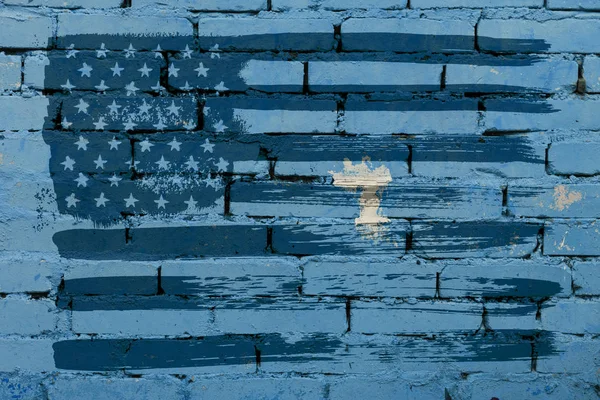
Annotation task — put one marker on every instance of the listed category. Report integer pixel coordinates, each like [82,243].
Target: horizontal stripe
[257,73]
[286,121]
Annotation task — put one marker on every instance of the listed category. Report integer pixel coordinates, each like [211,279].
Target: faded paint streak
[563,198]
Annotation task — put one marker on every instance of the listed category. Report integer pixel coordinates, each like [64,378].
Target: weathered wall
[328,199]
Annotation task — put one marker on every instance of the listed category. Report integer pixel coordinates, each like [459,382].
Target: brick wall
[316,199]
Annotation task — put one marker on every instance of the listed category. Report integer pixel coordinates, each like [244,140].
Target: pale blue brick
[282,5]
[554,36]
[10,72]
[591,72]
[98,388]
[586,278]
[528,387]
[27,317]
[34,70]
[25,31]
[67,3]
[111,277]
[573,5]
[21,387]
[257,388]
[384,389]
[475,3]
[574,158]
[26,355]
[421,317]
[576,238]
[569,354]
[571,316]
[206,5]
[26,274]
[517,317]
[560,201]
[20,113]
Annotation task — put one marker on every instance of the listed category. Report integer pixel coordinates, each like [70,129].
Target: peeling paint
[563,198]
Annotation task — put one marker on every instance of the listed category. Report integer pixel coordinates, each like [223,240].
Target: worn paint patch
[564,198]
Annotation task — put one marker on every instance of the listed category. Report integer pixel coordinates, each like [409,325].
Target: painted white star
[189,125]
[191,203]
[187,53]
[144,108]
[162,163]
[173,109]
[129,125]
[71,52]
[173,71]
[82,107]
[65,124]
[219,126]
[116,69]
[161,202]
[81,180]
[101,87]
[215,50]
[102,51]
[114,107]
[221,87]
[114,144]
[177,180]
[145,70]
[131,88]
[207,146]
[158,52]
[99,162]
[202,71]
[82,143]
[114,180]
[160,125]
[186,87]
[212,182]
[130,51]
[175,145]
[67,86]
[86,70]
[192,164]
[222,164]
[157,87]
[71,200]
[100,124]
[130,201]
[68,163]
[145,145]
[132,164]
[101,201]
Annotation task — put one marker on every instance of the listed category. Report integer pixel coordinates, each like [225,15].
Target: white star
[191,203]
[215,49]
[68,86]
[68,163]
[173,109]
[101,87]
[208,146]
[187,53]
[81,180]
[116,69]
[114,143]
[212,182]
[99,162]
[114,180]
[102,51]
[130,201]
[130,51]
[221,87]
[202,71]
[82,143]
[101,201]
[192,164]
[177,180]
[144,108]
[114,108]
[175,145]
[71,52]
[132,164]
[160,125]
[100,124]
[219,126]
[186,87]
[222,164]
[86,70]
[65,124]
[145,145]
[82,106]
[173,71]
[162,163]
[158,52]
[145,70]
[71,200]
[157,87]
[161,202]
[131,89]
[129,125]
[189,125]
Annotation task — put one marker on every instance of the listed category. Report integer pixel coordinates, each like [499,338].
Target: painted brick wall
[312,199]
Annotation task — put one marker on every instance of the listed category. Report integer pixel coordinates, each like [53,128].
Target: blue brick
[283,5]
[530,387]
[21,387]
[155,388]
[586,278]
[562,201]
[25,31]
[109,277]
[27,355]
[23,113]
[575,238]
[517,317]
[591,73]
[258,388]
[573,5]
[381,389]
[569,354]
[26,274]
[476,4]
[210,5]
[26,317]
[67,3]
[10,73]
[562,159]
[571,316]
